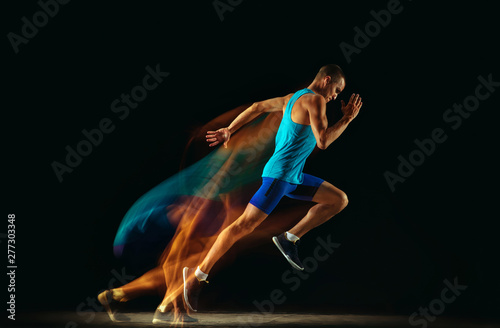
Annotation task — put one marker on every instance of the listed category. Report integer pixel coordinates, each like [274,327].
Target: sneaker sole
[186,299]
[173,322]
[162,321]
[293,264]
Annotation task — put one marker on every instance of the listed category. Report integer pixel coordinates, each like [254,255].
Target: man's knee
[343,200]
[338,199]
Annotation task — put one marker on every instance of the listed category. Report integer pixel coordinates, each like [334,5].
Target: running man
[303,127]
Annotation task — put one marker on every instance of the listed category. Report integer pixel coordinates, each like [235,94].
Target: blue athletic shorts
[272,190]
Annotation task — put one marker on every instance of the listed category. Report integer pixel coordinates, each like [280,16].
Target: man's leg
[330,201]
[262,203]
[194,278]
[244,225]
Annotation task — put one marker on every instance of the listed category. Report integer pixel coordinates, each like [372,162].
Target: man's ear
[327,79]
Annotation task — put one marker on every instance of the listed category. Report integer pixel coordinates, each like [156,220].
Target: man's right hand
[216,137]
[352,108]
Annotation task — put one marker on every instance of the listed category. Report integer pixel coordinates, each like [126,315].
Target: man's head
[329,81]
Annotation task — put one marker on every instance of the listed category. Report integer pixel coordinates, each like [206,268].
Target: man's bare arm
[319,123]
[248,115]
[257,108]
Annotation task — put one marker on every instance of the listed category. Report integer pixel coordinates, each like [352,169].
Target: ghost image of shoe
[111,305]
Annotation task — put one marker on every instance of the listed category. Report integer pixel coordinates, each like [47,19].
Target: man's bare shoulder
[313,102]
[288,97]
[285,100]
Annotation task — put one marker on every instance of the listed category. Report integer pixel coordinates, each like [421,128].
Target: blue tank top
[294,143]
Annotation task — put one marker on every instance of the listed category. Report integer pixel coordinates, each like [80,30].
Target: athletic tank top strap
[291,102]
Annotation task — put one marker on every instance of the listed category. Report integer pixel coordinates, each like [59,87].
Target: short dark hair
[331,70]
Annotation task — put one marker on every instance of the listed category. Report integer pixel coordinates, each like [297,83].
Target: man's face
[333,89]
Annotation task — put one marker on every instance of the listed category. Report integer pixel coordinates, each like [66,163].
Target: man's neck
[314,88]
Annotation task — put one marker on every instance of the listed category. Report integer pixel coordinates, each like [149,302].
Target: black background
[396,247]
